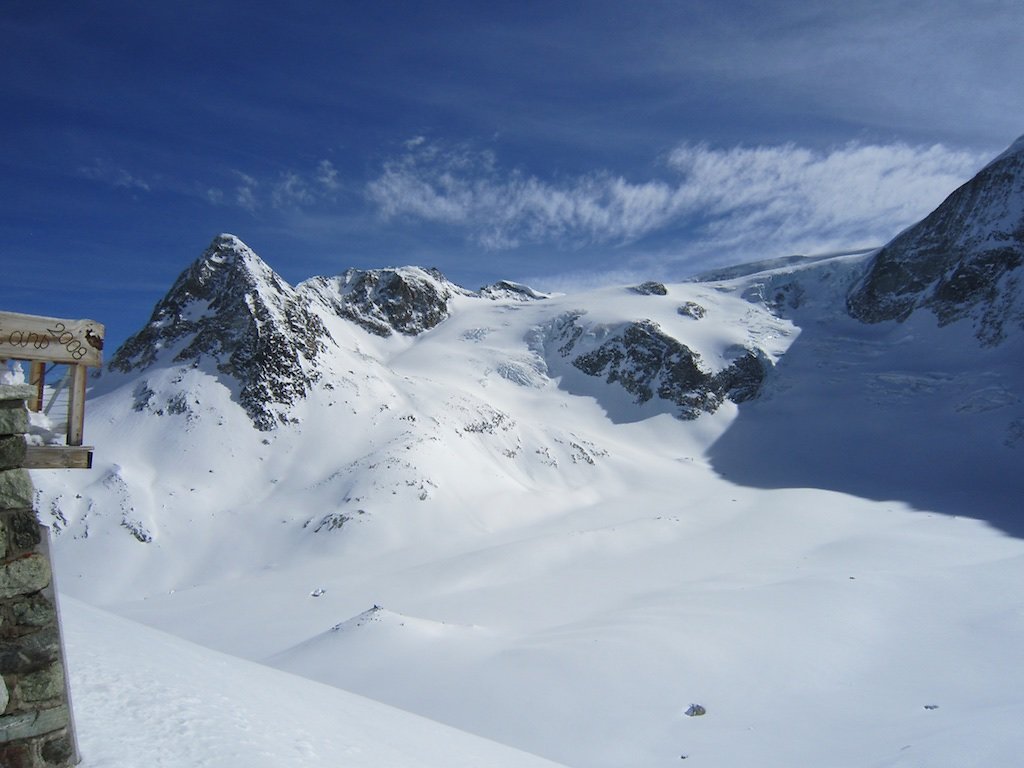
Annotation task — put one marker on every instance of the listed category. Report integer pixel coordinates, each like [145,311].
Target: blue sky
[559,143]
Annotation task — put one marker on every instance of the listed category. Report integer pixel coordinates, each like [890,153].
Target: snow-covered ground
[145,698]
[466,527]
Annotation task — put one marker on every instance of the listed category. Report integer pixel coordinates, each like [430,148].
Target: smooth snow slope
[143,698]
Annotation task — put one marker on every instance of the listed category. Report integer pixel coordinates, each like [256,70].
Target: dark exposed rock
[742,380]
[408,300]
[692,309]
[647,362]
[651,288]
[961,261]
[506,289]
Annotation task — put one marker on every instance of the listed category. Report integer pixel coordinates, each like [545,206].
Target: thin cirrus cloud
[103,171]
[731,199]
[289,191]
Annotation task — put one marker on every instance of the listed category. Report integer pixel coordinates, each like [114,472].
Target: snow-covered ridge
[232,316]
[962,261]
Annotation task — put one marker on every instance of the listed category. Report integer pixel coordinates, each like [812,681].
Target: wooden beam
[58,457]
[76,405]
[37,378]
[51,339]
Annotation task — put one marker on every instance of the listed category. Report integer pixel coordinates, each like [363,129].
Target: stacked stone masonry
[35,716]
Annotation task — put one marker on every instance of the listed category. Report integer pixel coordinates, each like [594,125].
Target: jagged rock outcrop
[651,288]
[743,378]
[963,260]
[407,300]
[506,289]
[691,309]
[648,363]
[230,309]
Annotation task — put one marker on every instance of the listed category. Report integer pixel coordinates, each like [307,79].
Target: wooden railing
[77,344]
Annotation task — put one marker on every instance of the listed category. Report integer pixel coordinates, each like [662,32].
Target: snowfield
[466,526]
[145,698]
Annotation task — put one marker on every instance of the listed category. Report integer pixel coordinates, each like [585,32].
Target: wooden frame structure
[77,344]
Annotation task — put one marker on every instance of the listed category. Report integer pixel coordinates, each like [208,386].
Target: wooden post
[76,405]
[36,377]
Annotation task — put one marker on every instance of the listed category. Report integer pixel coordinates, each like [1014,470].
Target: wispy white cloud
[785,197]
[103,171]
[806,200]
[502,209]
[327,175]
[246,192]
[290,191]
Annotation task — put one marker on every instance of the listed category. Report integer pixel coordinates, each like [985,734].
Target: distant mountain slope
[962,260]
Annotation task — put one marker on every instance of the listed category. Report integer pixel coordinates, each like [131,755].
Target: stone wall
[35,708]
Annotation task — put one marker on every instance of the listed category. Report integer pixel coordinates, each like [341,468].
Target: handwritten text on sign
[30,337]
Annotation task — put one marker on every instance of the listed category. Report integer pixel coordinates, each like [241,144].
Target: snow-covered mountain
[963,260]
[230,315]
[788,492]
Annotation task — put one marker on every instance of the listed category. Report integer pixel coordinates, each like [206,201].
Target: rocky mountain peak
[961,261]
[406,300]
[230,310]
[217,283]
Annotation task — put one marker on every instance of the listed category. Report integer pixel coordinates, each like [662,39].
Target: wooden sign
[71,342]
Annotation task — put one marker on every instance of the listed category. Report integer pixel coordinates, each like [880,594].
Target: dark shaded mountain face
[230,310]
[963,260]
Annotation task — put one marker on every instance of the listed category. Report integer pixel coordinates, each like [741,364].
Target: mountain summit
[231,313]
[961,261]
